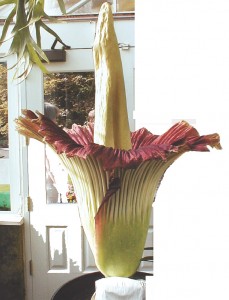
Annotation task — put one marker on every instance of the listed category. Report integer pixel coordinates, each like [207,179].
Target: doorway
[58,250]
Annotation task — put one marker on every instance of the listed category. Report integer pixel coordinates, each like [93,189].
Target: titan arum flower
[115,172]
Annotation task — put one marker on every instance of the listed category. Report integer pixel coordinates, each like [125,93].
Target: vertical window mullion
[114,6]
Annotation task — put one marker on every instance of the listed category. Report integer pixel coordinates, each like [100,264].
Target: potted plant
[115,172]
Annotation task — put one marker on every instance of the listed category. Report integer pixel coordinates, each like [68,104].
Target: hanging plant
[25,16]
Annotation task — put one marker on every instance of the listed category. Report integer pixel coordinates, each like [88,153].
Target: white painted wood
[11,219]
[10,164]
[55,233]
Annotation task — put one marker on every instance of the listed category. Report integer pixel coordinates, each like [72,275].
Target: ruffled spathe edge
[78,140]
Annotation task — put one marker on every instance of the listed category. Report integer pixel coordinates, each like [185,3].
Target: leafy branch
[25,16]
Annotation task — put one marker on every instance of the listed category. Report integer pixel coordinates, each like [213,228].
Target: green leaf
[31,3]
[27,68]
[7,24]
[39,50]
[38,33]
[35,58]
[62,6]
[49,30]
[27,13]
[36,14]
[17,46]
[4,2]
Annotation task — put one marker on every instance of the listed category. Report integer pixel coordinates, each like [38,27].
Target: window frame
[17,149]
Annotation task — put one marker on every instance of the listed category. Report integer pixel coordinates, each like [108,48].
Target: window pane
[125,5]
[69,98]
[87,6]
[92,6]
[4,142]
[78,7]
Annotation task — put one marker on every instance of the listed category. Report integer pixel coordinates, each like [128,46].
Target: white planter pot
[115,288]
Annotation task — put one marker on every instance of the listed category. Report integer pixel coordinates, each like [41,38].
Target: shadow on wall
[52,264]
[12,285]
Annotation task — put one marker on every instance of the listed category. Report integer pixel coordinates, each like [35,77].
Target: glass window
[127,5]
[84,7]
[68,98]
[76,7]
[4,142]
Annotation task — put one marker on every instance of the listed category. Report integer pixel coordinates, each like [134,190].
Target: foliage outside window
[3,107]
[127,5]
[72,93]
[4,142]
[72,96]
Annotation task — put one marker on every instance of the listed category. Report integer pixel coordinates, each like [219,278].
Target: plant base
[115,288]
[83,287]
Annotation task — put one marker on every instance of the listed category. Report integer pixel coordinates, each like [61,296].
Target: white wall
[182,72]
